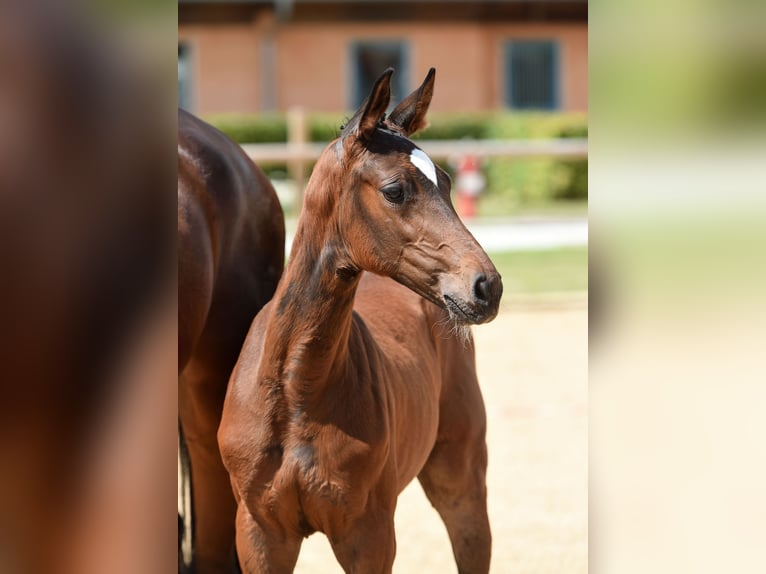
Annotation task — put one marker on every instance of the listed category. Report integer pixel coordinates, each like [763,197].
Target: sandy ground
[532,364]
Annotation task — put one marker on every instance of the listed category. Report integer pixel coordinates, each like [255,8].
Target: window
[532,75]
[369,59]
[184,77]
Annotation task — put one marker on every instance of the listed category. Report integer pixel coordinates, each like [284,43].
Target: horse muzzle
[478,306]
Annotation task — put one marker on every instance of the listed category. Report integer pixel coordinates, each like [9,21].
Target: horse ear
[410,114]
[368,116]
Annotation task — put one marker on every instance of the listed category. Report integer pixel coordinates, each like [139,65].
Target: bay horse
[349,385]
[231,238]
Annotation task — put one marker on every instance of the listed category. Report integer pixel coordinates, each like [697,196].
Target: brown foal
[230,256]
[351,384]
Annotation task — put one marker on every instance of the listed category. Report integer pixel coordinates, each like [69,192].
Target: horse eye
[393,192]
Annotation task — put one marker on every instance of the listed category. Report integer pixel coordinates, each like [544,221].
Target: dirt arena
[532,364]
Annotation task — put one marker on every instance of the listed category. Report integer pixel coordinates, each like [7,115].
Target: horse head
[393,210]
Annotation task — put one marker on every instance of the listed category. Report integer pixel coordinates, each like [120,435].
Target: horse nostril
[481,288]
[486,290]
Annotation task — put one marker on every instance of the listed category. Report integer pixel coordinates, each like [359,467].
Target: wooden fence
[436,149]
[298,153]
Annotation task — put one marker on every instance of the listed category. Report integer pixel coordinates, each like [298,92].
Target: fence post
[297,136]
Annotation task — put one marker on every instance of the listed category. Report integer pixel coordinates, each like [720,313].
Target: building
[252,56]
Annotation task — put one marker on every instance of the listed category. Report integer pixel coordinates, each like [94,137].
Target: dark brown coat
[231,239]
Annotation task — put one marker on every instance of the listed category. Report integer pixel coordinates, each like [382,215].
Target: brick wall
[248,67]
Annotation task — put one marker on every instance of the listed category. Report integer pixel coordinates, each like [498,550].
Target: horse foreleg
[263,552]
[369,545]
[454,481]
[200,403]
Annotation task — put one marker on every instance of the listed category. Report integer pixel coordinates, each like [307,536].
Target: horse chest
[306,493]
[333,472]
[332,498]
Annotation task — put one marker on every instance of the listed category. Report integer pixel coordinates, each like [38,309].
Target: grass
[504,205]
[546,271]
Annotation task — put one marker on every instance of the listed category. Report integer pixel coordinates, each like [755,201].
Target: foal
[348,386]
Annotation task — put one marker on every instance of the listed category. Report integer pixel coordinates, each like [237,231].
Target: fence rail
[298,152]
[437,149]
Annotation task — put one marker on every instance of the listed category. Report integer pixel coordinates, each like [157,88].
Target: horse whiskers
[454,328]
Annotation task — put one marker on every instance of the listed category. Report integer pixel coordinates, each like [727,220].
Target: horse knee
[455,464]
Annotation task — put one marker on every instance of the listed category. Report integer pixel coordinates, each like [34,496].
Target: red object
[468,163]
[469,184]
[466,205]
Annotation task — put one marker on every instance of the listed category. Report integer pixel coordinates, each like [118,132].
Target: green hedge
[272,128]
[458,126]
[249,128]
[540,179]
[509,181]
[570,178]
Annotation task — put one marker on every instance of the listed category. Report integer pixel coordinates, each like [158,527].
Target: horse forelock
[387,139]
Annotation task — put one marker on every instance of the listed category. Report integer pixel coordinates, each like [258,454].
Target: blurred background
[509,122]
[677,101]
[678,262]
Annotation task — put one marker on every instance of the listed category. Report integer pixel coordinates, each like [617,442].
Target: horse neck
[307,335]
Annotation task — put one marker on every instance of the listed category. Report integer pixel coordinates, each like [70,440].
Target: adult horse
[231,238]
[349,385]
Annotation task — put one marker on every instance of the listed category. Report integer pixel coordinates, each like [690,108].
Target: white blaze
[421,161]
